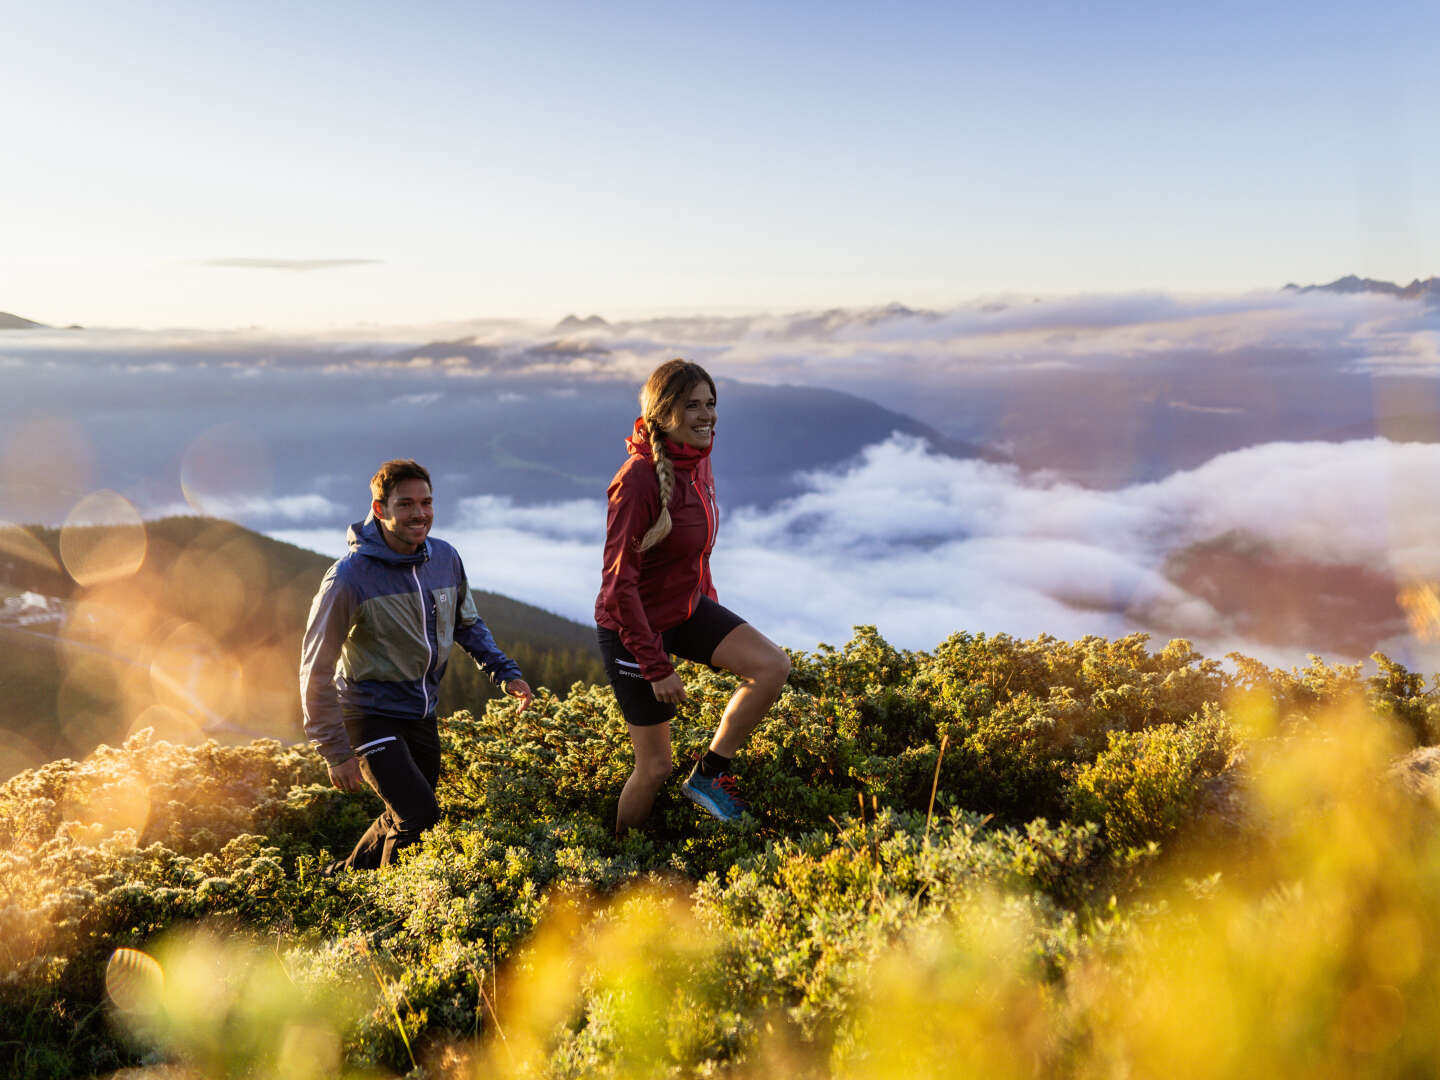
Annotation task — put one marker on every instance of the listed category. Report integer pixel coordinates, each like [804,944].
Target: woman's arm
[632,509]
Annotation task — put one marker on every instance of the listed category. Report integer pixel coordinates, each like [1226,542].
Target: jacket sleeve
[474,637]
[632,509]
[331,616]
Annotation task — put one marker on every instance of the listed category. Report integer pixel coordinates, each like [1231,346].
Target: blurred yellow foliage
[1421,603]
[229,1008]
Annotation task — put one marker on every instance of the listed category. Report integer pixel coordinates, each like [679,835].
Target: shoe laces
[731,787]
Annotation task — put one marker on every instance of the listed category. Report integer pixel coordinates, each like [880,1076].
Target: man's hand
[669,689]
[347,776]
[520,690]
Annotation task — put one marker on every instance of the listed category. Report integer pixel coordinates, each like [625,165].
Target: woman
[656,598]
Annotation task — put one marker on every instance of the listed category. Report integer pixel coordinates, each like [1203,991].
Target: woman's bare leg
[653,766]
[762,667]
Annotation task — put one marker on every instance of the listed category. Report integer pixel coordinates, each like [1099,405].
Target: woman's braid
[665,473]
[660,401]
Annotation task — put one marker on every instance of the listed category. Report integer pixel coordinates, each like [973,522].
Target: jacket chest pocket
[443,607]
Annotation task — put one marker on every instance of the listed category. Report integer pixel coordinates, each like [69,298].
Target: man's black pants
[400,758]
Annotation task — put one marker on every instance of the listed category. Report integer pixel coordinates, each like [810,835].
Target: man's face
[407,515]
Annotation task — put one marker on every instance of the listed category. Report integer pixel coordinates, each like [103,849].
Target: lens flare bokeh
[134,982]
[191,672]
[103,539]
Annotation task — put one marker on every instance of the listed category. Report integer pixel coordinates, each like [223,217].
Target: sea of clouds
[923,545]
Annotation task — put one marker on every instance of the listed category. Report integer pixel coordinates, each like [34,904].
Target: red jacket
[643,594]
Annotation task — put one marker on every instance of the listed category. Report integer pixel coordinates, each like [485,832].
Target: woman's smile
[695,418]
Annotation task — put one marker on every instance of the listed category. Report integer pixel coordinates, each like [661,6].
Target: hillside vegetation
[1000,858]
[192,626]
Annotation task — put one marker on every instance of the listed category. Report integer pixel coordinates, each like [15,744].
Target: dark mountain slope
[205,637]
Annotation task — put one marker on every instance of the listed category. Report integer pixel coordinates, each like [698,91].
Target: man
[388,612]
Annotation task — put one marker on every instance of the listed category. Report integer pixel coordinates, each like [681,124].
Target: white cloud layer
[297,508]
[923,545]
[1003,331]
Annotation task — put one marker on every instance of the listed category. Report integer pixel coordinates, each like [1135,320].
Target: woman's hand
[669,689]
[520,690]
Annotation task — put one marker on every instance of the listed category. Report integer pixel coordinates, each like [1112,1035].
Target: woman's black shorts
[694,639]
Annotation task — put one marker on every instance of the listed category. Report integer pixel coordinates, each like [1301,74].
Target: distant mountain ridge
[15,322]
[1427,291]
[795,325]
[571,323]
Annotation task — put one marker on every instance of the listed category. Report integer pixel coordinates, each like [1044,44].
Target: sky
[313,166]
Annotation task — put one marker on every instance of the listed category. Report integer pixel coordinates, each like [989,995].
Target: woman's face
[694,421]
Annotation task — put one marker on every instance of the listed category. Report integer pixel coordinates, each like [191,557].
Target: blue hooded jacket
[380,632]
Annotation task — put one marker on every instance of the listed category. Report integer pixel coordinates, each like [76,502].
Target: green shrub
[1401,695]
[1144,786]
[1051,765]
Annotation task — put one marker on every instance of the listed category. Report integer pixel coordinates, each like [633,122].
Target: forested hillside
[998,858]
[192,626]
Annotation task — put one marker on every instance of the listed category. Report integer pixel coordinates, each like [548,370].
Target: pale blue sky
[494,160]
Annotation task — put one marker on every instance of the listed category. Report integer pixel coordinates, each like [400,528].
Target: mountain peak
[15,322]
[1427,291]
[571,323]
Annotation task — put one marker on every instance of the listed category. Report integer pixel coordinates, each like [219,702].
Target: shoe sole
[700,799]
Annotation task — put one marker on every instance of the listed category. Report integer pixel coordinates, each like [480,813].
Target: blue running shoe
[717,795]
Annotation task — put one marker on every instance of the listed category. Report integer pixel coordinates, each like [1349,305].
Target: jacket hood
[682,455]
[365,539]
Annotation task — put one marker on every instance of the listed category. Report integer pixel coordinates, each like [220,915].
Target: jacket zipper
[425,634]
[705,550]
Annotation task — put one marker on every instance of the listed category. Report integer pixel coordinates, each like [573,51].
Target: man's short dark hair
[394,472]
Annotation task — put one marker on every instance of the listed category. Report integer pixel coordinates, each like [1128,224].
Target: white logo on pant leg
[630,668]
[373,747]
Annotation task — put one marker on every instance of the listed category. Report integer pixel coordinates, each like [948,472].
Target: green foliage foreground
[1002,858]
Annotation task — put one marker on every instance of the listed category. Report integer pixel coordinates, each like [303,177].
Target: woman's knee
[770,670]
[653,755]
[754,658]
[653,772]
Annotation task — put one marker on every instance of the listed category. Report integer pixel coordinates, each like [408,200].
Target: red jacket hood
[682,455]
